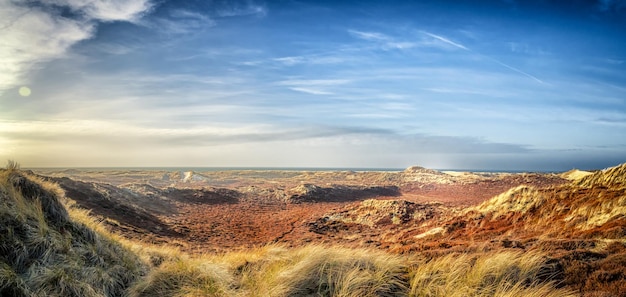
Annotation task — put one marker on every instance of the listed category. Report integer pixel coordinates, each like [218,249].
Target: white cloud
[385,42]
[313,86]
[320,59]
[106,10]
[32,35]
[401,45]
[313,82]
[311,91]
[371,36]
[290,61]
[109,143]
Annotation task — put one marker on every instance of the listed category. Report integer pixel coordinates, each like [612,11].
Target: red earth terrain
[226,210]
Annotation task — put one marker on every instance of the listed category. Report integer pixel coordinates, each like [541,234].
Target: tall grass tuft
[44,252]
[320,271]
[494,274]
[185,278]
[12,165]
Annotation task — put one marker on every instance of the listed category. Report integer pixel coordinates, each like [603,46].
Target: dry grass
[185,277]
[12,165]
[333,271]
[320,271]
[521,200]
[575,174]
[610,177]
[493,274]
[49,247]
[563,210]
[43,252]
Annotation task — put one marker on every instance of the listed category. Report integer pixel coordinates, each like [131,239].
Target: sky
[491,85]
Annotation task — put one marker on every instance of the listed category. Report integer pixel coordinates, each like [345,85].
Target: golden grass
[520,199]
[185,277]
[609,177]
[321,271]
[556,210]
[593,215]
[317,270]
[43,252]
[492,274]
[575,174]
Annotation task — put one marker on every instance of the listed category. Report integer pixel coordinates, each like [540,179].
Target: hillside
[44,252]
[330,234]
[51,248]
[581,224]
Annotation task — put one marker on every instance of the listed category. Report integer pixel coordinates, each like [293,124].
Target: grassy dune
[48,247]
[45,252]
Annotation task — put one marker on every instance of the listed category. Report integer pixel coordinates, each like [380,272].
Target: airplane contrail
[458,45]
[448,41]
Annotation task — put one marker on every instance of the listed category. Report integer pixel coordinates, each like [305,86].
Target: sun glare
[24,91]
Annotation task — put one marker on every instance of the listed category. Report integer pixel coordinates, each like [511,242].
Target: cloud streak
[313,86]
[130,144]
[445,40]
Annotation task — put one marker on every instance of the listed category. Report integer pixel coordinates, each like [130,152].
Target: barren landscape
[260,148]
[573,223]
[225,210]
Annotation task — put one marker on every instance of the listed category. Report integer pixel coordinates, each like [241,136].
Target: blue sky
[509,85]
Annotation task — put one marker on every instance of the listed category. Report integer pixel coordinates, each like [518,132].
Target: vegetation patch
[43,252]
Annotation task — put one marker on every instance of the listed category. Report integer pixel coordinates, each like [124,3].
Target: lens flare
[24,91]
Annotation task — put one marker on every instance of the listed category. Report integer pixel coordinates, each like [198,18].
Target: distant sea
[205,169]
[200,169]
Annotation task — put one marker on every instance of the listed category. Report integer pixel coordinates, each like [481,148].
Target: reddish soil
[465,194]
[259,208]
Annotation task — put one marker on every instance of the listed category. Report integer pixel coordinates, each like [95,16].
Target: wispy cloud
[34,34]
[314,82]
[180,21]
[241,8]
[371,36]
[120,143]
[615,61]
[290,61]
[313,86]
[317,59]
[606,5]
[384,41]
[311,91]
[105,10]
